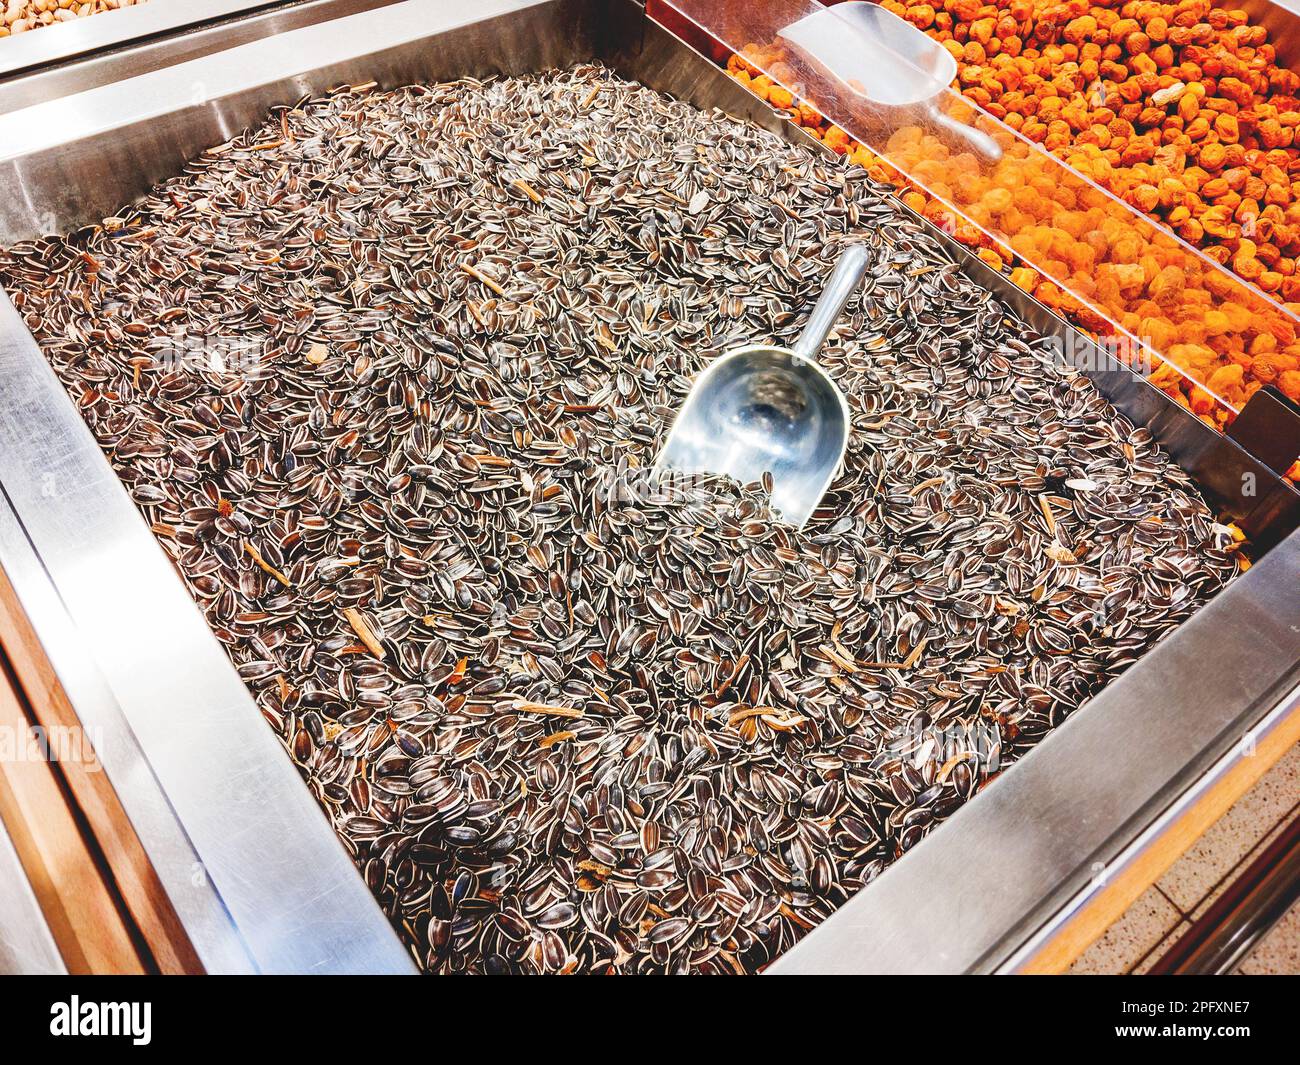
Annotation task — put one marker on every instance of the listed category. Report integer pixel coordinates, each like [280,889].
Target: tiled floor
[1134,942]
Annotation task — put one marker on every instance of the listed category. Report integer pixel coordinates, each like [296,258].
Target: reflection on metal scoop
[764,409]
[901,72]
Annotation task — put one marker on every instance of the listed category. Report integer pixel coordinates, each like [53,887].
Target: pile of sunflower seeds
[386,373]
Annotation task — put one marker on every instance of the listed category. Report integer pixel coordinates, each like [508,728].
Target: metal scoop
[900,73]
[762,409]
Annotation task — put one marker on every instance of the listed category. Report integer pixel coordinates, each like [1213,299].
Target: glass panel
[1202,334]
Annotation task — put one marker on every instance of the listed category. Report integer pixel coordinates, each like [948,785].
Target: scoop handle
[846,277]
[966,137]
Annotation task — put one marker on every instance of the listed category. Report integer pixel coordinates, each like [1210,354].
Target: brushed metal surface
[26,946]
[67,40]
[70,161]
[965,897]
[1282,715]
[1269,428]
[199,909]
[109,48]
[292,899]
[254,871]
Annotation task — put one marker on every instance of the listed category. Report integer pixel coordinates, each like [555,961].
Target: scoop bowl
[763,409]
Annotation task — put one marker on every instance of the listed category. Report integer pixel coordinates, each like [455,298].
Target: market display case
[1207,322]
[237,864]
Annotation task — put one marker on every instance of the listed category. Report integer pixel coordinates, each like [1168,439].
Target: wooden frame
[100,895]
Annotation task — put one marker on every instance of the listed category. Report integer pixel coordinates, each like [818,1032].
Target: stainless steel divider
[107,731]
[255,873]
[1003,866]
[64,41]
[74,56]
